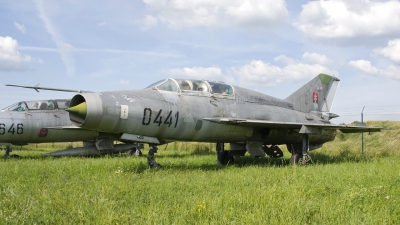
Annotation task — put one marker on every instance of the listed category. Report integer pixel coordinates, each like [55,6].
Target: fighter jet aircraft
[209,111]
[43,121]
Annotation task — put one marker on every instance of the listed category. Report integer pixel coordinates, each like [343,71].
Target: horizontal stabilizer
[291,125]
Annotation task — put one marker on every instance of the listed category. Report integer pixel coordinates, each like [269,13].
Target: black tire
[224,158]
[131,152]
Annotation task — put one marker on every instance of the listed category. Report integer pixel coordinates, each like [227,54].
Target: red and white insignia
[43,132]
[315,97]
[315,100]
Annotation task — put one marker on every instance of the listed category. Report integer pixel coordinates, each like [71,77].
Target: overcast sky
[273,46]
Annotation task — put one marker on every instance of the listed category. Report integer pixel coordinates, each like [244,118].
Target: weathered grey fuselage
[182,115]
[28,122]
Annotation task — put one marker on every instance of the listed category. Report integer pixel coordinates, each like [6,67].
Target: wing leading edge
[304,127]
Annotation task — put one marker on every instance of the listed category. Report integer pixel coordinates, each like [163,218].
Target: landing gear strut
[223,157]
[151,161]
[306,158]
[8,150]
[300,152]
[7,155]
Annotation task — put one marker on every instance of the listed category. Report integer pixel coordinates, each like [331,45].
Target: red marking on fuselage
[43,132]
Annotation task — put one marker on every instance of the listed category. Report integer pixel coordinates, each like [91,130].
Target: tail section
[316,95]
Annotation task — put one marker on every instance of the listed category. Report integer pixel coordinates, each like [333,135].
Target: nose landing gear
[8,156]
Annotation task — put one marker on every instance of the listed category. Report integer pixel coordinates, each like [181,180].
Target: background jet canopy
[41,105]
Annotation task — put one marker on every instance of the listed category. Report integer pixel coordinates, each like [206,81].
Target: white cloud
[316,58]
[124,82]
[215,13]
[349,19]
[206,73]
[101,24]
[69,48]
[10,58]
[392,72]
[64,48]
[258,73]
[148,22]
[391,51]
[284,59]
[20,27]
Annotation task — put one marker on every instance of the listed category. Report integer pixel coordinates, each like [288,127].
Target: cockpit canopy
[39,105]
[188,85]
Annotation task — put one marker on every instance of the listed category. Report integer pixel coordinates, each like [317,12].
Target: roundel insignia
[43,132]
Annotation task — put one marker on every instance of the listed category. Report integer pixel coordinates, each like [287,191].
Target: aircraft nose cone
[78,110]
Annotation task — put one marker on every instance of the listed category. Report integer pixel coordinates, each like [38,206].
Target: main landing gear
[135,151]
[151,161]
[8,156]
[223,157]
[300,152]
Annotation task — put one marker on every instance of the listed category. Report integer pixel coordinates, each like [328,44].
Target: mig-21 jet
[45,121]
[210,111]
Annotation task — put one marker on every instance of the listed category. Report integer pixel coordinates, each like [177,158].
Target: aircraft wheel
[134,152]
[294,160]
[224,158]
[131,151]
[138,152]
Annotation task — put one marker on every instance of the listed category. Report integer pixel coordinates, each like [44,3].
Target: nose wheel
[151,161]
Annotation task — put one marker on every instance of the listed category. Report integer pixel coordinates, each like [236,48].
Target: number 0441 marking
[167,120]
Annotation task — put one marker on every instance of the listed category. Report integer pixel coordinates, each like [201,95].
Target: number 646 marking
[11,130]
[147,113]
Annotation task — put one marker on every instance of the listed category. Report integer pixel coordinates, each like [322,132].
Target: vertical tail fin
[316,95]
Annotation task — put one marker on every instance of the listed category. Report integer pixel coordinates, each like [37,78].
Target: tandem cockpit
[38,105]
[194,87]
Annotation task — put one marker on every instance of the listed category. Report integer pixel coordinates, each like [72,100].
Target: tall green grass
[342,187]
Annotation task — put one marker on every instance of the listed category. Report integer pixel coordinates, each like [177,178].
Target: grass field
[342,187]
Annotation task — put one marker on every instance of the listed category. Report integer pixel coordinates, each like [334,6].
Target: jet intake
[86,110]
